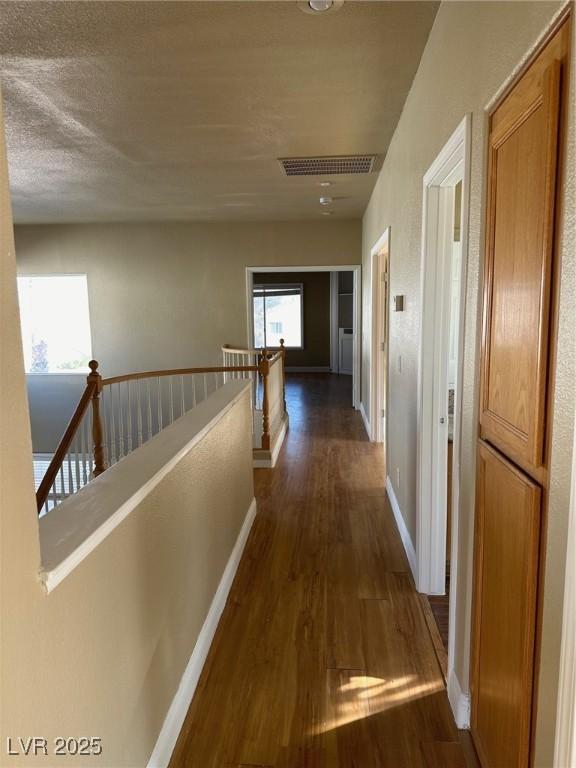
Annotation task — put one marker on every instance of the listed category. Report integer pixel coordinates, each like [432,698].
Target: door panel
[523,152]
[508,510]
[515,395]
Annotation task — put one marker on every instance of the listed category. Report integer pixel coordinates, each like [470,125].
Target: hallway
[322,657]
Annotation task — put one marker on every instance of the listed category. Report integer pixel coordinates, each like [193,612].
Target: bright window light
[278,315]
[55,323]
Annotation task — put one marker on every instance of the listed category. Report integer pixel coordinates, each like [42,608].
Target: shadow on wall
[52,399]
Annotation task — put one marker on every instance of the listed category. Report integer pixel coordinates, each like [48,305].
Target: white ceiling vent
[328,166]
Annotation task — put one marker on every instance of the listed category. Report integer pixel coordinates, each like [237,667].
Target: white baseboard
[459,701]
[261,458]
[174,719]
[308,369]
[366,422]
[402,530]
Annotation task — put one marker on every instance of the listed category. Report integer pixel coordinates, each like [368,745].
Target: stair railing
[118,414]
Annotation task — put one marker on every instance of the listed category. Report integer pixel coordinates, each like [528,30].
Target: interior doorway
[346,346]
[443,269]
[342,326]
[380,260]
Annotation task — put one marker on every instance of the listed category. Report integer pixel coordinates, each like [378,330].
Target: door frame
[565,739]
[334,351]
[380,335]
[450,166]
[356,269]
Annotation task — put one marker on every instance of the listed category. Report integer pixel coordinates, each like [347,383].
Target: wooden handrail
[240,350]
[177,372]
[64,445]
[95,385]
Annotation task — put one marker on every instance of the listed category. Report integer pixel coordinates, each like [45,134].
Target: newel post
[97,435]
[264,369]
[283,353]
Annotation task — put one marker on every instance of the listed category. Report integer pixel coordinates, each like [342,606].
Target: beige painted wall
[104,653]
[164,295]
[472,50]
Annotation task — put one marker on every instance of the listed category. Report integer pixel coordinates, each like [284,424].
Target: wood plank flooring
[322,658]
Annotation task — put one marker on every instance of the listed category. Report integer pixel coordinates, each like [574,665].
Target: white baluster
[205,386]
[159,405]
[149,410]
[139,412]
[54,490]
[129,419]
[112,427]
[70,479]
[193,378]
[182,403]
[171,400]
[83,450]
[62,487]
[120,421]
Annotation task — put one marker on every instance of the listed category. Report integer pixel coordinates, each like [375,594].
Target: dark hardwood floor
[322,658]
[440,605]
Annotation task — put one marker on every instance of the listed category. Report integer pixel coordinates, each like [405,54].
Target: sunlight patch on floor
[361,696]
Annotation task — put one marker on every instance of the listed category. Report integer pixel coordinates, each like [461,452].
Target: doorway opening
[443,269]
[319,306]
[342,327]
[380,261]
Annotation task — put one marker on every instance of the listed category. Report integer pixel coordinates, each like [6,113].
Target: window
[55,323]
[278,315]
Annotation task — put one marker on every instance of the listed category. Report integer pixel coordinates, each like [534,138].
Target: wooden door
[523,149]
[508,510]
[515,393]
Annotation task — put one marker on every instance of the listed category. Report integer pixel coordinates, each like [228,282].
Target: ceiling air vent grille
[327,166]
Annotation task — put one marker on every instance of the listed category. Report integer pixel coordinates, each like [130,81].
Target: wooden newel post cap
[281,342]
[93,365]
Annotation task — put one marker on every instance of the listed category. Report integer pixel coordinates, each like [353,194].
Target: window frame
[71,371]
[300,287]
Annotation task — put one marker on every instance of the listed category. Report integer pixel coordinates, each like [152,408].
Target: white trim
[366,421]
[270,462]
[308,369]
[565,738]
[402,529]
[459,701]
[356,269]
[70,532]
[451,165]
[334,298]
[375,384]
[176,714]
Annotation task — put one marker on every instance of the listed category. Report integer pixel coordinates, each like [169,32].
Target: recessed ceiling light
[318,7]
[324,183]
[326,213]
[325,200]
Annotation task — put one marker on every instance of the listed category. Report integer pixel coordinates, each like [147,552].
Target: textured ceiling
[124,111]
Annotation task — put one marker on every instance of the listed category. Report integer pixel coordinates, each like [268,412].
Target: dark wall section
[316,350]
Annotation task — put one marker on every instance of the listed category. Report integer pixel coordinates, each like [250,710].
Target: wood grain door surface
[522,174]
[518,348]
[507,551]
